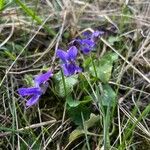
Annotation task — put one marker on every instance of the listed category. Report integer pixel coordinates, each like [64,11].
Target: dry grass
[31,50]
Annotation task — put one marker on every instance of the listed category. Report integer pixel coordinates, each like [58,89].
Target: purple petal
[65,70]
[29,91]
[78,69]
[87,34]
[86,42]
[86,50]
[101,32]
[33,100]
[86,45]
[70,69]
[72,53]
[42,78]
[96,34]
[62,55]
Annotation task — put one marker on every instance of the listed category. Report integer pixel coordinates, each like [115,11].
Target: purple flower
[68,58]
[42,78]
[86,45]
[70,69]
[29,91]
[88,42]
[94,35]
[39,88]
[33,100]
[33,92]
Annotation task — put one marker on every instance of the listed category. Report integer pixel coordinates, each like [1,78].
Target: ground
[105,105]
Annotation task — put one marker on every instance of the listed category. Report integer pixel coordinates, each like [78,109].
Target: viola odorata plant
[68,64]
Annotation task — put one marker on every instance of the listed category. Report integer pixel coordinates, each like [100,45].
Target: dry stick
[19,25]
[140,73]
[49,139]
[7,71]
[119,124]
[42,129]
[142,47]
[127,87]
[134,120]
[29,127]
[10,35]
[25,71]
[119,135]
[58,39]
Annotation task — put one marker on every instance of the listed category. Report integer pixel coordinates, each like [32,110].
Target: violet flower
[86,45]
[68,58]
[70,69]
[42,78]
[94,35]
[88,42]
[40,86]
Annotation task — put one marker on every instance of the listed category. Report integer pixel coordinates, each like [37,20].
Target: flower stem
[94,67]
[64,84]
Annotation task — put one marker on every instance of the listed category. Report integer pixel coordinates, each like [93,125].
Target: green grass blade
[85,131]
[132,128]
[33,15]
[106,129]
[2,4]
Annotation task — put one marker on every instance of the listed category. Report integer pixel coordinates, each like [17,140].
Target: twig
[28,127]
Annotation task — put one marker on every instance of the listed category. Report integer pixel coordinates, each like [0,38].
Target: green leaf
[69,84]
[71,102]
[112,56]
[86,99]
[57,76]
[104,71]
[104,67]
[75,103]
[87,62]
[92,121]
[76,134]
[108,96]
[80,132]
[113,39]
[75,113]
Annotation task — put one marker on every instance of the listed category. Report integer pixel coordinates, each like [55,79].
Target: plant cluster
[68,65]
[94,77]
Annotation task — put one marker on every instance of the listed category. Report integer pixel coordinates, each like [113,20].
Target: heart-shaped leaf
[104,67]
[108,96]
[75,113]
[69,84]
[80,132]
